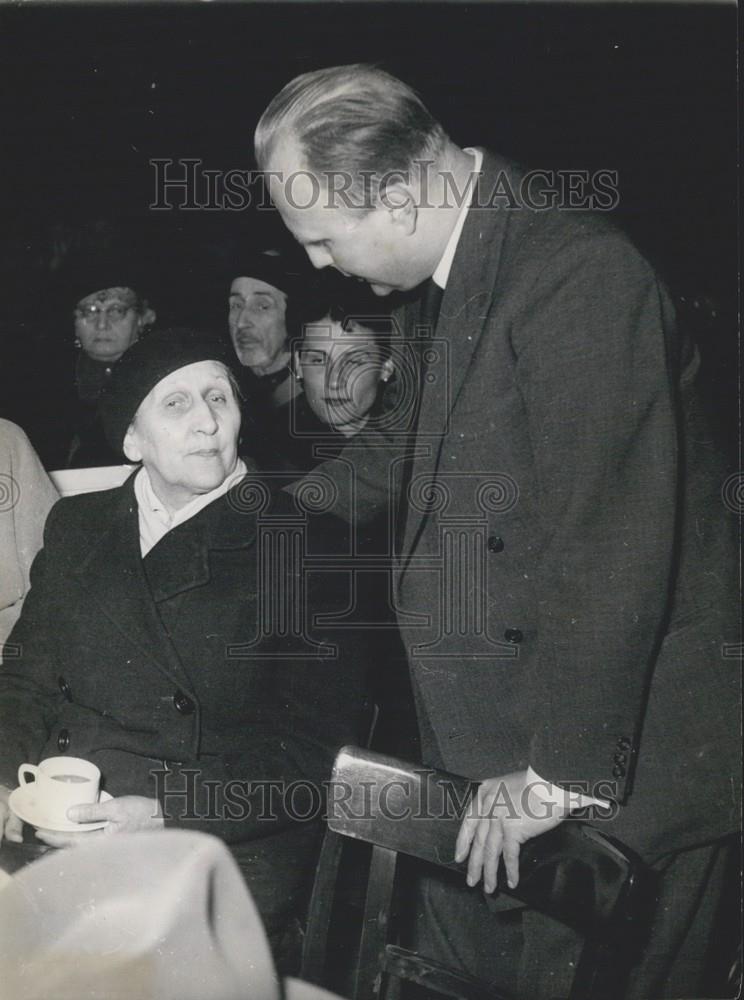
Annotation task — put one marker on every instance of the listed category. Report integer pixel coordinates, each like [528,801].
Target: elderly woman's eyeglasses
[112,313]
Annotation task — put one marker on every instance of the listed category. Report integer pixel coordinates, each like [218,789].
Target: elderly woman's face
[107,323]
[185,433]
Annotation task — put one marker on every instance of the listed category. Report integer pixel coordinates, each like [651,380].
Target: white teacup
[61,782]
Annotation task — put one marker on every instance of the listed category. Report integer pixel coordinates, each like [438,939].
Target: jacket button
[64,688]
[513,635]
[63,740]
[182,703]
[620,758]
[495,544]
[618,771]
[623,743]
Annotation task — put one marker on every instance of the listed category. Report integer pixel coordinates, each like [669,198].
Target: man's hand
[10,826]
[505,813]
[128,814]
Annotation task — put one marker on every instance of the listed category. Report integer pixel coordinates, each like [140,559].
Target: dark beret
[146,363]
[271,267]
[87,272]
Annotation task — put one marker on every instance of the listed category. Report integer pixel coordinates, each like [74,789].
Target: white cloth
[154,519]
[139,916]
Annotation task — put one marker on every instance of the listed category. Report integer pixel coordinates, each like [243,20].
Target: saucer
[24,803]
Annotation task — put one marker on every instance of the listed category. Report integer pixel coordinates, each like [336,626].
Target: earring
[76,342]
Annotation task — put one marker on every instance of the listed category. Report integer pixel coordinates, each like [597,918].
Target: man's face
[373,246]
[185,433]
[107,323]
[257,324]
[341,372]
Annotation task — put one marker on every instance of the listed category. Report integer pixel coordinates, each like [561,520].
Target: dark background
[90,94]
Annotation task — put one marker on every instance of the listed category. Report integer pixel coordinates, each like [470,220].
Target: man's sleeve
[593,370]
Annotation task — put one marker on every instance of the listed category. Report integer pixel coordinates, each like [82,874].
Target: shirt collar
[154,519]
[442,272]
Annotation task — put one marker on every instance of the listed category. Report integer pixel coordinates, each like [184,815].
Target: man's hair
[355,119]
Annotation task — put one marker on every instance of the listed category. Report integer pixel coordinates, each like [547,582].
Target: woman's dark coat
[130,663]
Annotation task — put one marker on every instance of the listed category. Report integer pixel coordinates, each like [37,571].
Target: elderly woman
[138,598]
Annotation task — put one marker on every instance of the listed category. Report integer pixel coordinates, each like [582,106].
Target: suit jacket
[567,581]
[126,662]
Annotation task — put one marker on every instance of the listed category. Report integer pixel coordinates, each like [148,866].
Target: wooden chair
[574,873]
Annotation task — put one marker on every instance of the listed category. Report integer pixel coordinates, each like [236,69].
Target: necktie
[430,302]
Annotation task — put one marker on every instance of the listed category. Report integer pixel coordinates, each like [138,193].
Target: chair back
[574,873]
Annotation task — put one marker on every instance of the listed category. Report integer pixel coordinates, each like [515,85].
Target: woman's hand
[128,814]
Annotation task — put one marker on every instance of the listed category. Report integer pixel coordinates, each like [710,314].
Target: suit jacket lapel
[465,307]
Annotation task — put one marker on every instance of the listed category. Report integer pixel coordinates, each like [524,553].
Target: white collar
[154,519]
[442,272]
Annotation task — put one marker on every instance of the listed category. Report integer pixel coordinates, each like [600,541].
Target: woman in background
[347,366]
[109,315]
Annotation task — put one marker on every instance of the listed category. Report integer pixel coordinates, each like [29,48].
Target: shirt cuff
[557,796]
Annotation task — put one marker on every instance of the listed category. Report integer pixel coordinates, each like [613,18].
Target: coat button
[65,688]
[513,635]
[495,544]
[618,771]
[182,703]
[63,740]
[620,758]
[623,743]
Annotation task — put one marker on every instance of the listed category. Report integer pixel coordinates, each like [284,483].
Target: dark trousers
[531,956]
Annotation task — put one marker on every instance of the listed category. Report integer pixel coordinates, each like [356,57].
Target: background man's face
[257,324]
[107,323]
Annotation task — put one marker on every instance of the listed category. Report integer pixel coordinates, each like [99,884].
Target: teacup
[61,782]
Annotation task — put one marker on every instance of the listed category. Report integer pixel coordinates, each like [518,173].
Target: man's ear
[296,366]
[130,447]
[398,200]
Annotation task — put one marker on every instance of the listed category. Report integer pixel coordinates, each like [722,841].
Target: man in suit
[573,655]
